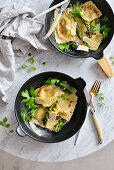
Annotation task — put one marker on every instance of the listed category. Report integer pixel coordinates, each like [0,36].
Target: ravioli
[39,114]
[68,106]
[90,11]
[48,94]
[81,25]
[94,41]
[52,121]
[66,28]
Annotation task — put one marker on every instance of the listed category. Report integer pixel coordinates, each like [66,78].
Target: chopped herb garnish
[51,81]
[24,66]
[64,47]
[29,100]
[95,25]
[43,63]
[76,9]
[59,125]
[5,125]
[111,58]
[105,30]
[33,92]
[101,98]
[32,62]
[105,19]
[32,68]
[64,96]
[29,54]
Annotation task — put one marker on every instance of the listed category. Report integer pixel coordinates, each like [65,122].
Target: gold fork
[93,92]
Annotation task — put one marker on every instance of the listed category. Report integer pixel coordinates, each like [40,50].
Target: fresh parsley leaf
[100,97]
[111,58]
[29,54]
[27,118]
[11,131]
[112,62]
[24,100]
[78,3]
[64,96]
[76,9]
[5,120]
[24,66]
[25,94]
[105,19]
[105,30]
[3,123]
[7,125]
[61,47]
[33,92]
[23,117]
[51,81]
[64,47]
[23,110]
[31,60]
[95,28]
[32,68]
[43,63]
[30,102]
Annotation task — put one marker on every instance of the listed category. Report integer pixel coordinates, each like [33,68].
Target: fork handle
[97,126]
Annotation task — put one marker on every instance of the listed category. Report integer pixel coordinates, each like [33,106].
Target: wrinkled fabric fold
[18,32]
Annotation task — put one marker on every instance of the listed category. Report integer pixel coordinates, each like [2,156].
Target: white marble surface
[86,68]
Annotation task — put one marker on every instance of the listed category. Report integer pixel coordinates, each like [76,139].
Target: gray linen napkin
[18,32]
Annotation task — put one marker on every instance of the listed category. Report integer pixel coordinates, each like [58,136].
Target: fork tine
[96,86]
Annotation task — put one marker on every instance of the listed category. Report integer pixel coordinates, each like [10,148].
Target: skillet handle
[98,56]
[81,82]
[20,132]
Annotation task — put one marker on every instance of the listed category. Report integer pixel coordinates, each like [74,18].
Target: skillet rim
[40,140]
[96,56]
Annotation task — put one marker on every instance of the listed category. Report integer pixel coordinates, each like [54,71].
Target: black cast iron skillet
[71,127]
[106,10]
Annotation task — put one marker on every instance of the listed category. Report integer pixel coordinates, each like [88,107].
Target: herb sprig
[105,31]
[32,63]
[95,25]
[105,19]
[5,125]
[64,47]
[29,100]
[101,98]
[62,84]
[112,58]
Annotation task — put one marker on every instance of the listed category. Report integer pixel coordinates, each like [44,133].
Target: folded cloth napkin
[18,32]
